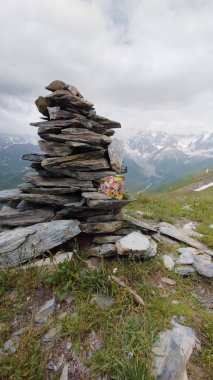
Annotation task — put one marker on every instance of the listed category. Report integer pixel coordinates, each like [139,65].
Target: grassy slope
[124,327]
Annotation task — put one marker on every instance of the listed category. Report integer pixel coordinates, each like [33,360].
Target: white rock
[168,262]
[137,244]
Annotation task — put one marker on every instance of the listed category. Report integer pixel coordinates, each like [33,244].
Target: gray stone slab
[45,311]
[139,224]
[52,200]
[203,265]
[110,204]
[179,235]
[21,244]
[116,152]
[171,353]
[19,218]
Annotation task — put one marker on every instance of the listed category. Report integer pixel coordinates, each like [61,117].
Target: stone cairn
[77,152]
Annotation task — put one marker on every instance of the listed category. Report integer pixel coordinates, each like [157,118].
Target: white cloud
[146,63]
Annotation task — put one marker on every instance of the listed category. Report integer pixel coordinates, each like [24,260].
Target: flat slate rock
[76,165]
[22,244]
[10,216]
[86,175]
[95,195]
[100,228]
[110,204]
[139,224]
[179,235]
[52,200]
[171,353]
[39,181]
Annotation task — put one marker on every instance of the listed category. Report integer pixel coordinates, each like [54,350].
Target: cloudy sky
[145,63]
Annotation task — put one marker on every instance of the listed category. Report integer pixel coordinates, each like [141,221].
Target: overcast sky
[145,63]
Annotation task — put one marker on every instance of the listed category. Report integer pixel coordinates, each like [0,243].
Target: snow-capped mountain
[164,157]
[7,140]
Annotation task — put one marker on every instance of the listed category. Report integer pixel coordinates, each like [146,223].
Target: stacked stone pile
[77,152]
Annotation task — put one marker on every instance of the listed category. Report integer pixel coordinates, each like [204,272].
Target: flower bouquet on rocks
[113,186]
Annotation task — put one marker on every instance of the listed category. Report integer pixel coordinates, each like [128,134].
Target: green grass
[127,330]
[169,207]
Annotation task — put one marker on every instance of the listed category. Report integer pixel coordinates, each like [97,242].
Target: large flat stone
[68,183]
[51,199]
[171,353]
[179,235]
[86,175]
[139,224]
[76,165]
[110,204]
[21,244]
[18,218]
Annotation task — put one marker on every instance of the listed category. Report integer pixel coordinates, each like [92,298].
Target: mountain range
[154,159]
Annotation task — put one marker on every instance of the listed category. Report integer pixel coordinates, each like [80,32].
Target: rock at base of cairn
[22,244]
[136,244]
